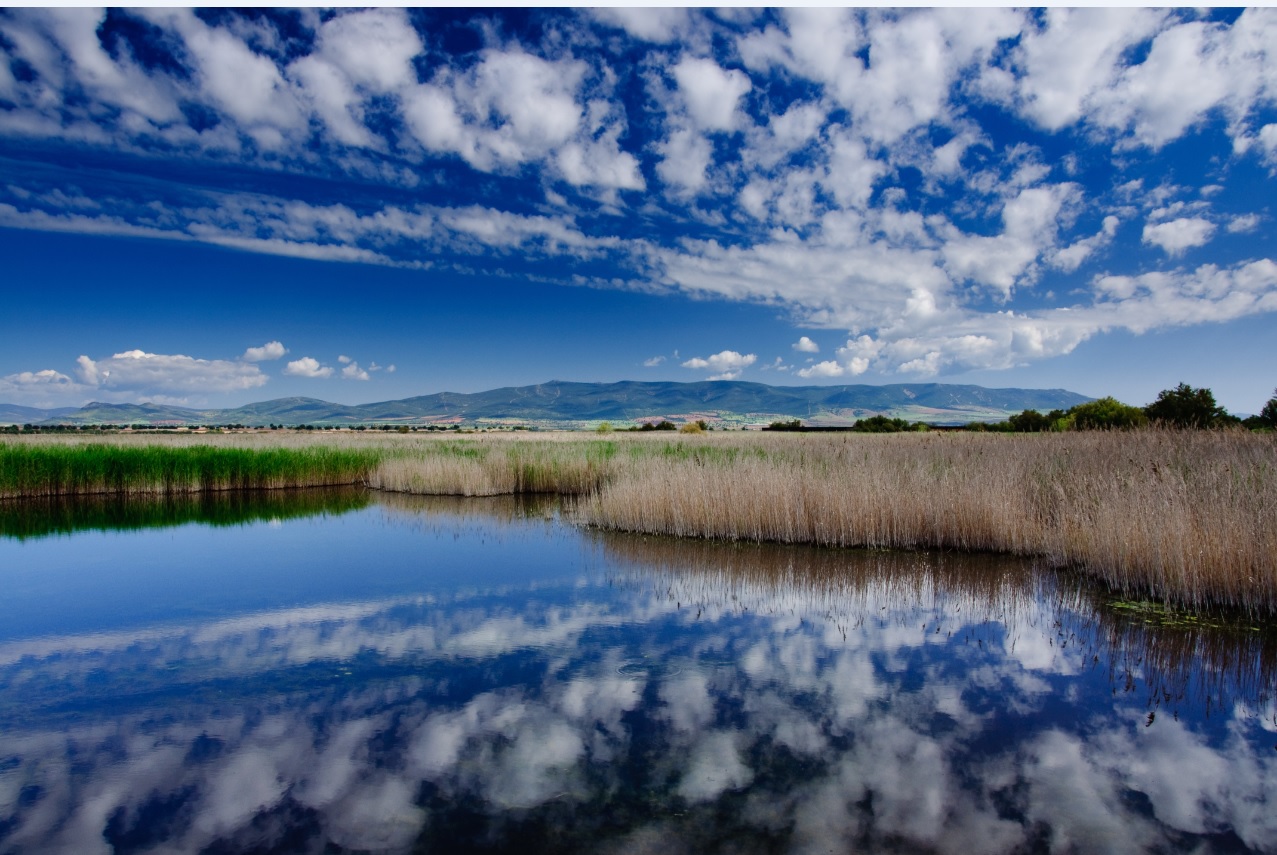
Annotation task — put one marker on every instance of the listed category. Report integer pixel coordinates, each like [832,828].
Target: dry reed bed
[1186,517]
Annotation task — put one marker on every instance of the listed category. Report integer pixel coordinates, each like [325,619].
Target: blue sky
[215,207]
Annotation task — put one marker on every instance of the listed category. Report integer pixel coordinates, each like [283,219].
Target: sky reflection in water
[475,675]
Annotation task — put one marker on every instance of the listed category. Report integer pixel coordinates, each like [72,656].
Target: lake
[340,671]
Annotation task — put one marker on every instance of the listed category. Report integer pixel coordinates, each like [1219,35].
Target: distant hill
[12,414]
[573,404]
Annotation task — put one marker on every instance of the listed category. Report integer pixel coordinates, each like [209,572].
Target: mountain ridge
[572,403]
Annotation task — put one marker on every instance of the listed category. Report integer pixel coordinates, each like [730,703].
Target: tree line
[1182,407]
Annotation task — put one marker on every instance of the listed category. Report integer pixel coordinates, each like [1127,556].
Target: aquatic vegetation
[1176,517]
[49,469]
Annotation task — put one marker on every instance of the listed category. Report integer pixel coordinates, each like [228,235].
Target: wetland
[351,670]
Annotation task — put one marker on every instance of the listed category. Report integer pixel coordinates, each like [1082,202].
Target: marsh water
[352,672]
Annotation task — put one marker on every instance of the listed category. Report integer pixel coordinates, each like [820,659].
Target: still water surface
[342,672]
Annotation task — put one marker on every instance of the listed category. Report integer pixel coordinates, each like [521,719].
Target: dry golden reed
[1185,517]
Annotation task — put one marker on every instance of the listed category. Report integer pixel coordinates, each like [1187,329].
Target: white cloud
[1075,56]
[1243,224]
[806,345]
[662,24]
[345,40]
[1071,257]
[685,160]
[1268,142]
[1030,223]
[308,367]
[514,108]
[269,350]
[653,362]
[139,371]
[809,206]
[245,85]
[710,94]
[344,359]
[47,388]
[354,372]
[728,364]
[828,368]
[1177,236]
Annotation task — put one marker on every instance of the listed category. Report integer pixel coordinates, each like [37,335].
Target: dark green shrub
[1186,407]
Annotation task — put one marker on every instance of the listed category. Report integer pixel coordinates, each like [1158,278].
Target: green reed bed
[68,470]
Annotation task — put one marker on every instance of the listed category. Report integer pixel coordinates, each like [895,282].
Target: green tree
[1029,421]
[1186,407]
[880,424]
[793,424]
[1268,415]
[1105,414]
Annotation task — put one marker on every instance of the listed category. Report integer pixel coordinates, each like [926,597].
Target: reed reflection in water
[671,697]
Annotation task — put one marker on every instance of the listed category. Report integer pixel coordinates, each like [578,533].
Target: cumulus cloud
[806,345]
[662,24]
[269,350]
[46,388]
[139,371]
[1070,258]
[1177,236]
[135,375]
[308,366]
[1243,224]
[786,146]
[352,371]
[728,364]
[653,361]
[828,368]
[710,94]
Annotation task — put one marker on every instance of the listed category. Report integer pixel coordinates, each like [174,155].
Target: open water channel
[352,672]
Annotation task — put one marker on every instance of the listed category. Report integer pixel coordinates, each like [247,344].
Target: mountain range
[559,403]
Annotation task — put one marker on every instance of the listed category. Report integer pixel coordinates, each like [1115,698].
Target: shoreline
[1177,517]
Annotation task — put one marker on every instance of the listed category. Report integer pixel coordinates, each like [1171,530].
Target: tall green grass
[68,470]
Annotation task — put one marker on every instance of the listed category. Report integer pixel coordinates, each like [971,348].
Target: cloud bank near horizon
[951,189]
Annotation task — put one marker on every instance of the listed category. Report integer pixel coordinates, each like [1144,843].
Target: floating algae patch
[30,518]
[1162,615]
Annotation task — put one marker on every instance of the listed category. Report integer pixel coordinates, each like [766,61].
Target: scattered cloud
[653,362]
[878,172]
[806,345]
[352,371]
[46,388]
[139,371]
[1177,236]
[1242,224]
[270,350]
[828,368]
[728,364]
[308,367]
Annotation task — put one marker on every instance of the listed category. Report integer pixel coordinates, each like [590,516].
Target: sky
[214,207]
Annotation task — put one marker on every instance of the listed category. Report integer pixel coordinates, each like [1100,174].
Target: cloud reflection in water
[692,697]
